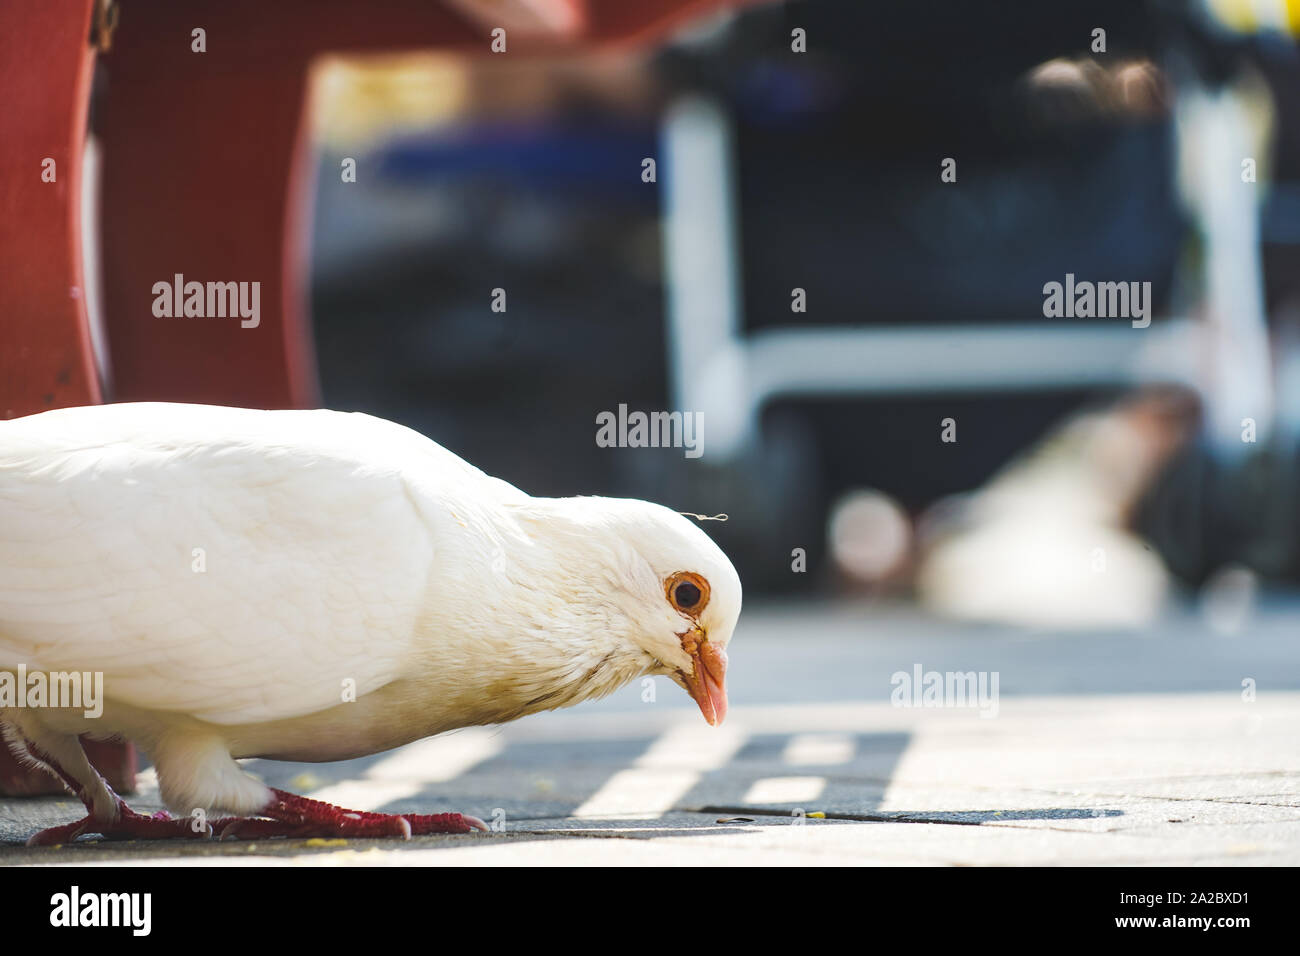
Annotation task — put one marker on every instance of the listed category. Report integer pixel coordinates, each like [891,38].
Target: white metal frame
[718,371]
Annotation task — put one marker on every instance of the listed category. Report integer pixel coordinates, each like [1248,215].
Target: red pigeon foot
[120,823]
[290,815]
[129,825]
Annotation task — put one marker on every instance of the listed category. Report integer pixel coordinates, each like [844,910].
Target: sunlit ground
[1107,748]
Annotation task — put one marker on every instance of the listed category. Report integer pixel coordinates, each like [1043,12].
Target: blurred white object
[1228,599]
[870,536]
[1045,543]
[1214,134]
[1042,569]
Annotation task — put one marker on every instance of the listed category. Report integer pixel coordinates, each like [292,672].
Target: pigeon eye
[687,592]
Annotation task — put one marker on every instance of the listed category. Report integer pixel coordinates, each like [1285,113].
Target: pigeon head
[689,604]
[674,592]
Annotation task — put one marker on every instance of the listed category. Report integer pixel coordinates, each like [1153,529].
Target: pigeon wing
[232,565]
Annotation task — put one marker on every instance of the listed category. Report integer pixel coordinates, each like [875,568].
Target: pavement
[1174,746]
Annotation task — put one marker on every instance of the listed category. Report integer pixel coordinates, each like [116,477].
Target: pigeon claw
[53,836]
[292,816]
[129,825]
[423,824]
[256,828]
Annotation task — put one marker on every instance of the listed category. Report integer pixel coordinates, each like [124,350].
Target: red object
[46,359]
[205,174]
[294,816]
[45,66]
[128,825]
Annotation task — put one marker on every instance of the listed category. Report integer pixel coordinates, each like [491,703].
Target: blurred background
[912,427]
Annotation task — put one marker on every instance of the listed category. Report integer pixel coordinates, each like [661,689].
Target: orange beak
[707,680]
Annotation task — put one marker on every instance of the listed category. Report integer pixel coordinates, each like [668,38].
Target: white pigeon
[315,585]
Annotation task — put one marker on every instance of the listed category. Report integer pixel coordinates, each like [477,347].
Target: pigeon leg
[119,822]
[290,815]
